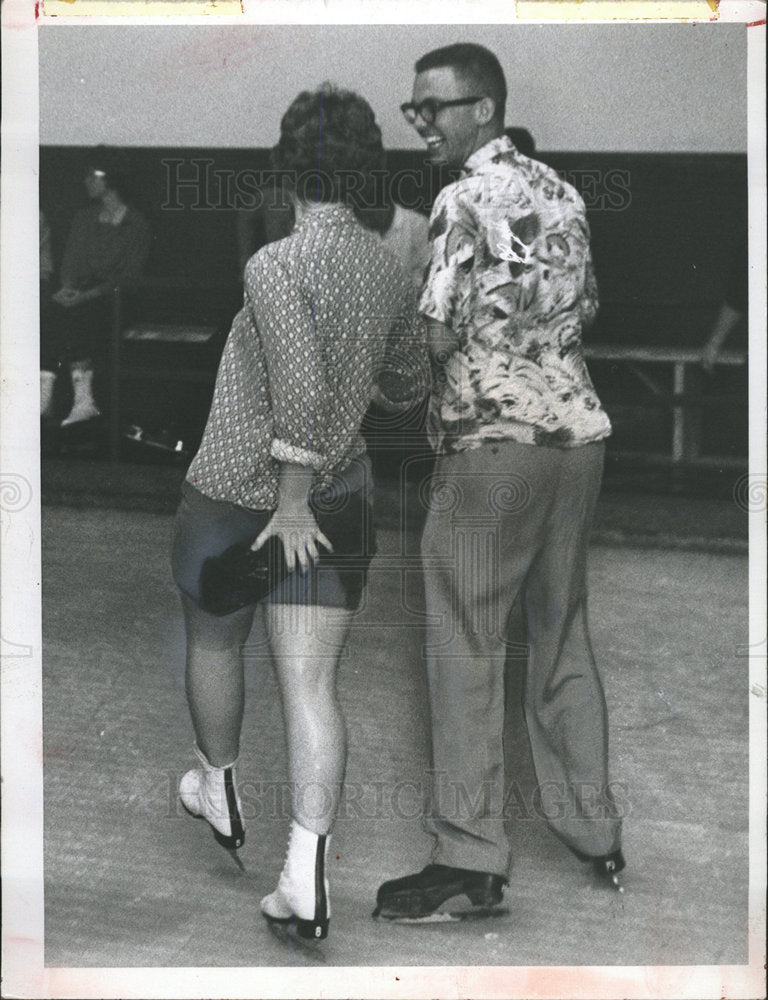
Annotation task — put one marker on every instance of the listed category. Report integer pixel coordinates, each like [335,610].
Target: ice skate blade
[236,858]
[230,844]
[286,932]
[445,917]
[607,883]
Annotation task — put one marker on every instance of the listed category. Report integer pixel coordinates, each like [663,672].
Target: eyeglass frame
[417,110]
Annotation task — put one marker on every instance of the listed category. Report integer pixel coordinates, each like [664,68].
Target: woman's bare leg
[214,679]
[306,643]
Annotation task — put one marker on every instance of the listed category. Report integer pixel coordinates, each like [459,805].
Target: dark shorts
[206,527]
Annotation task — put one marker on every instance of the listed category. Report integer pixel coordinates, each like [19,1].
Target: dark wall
[663,230]
[663,225]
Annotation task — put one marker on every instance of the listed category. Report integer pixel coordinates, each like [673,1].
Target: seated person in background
[107,246]
[46,255]
[48,359]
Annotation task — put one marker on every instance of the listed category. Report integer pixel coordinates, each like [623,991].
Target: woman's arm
[298,387]
[299,395]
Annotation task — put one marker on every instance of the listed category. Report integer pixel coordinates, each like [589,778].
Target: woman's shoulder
[269,267]
[266,256]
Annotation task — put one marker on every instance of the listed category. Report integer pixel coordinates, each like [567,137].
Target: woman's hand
[66,297]
[295,525]
[69,297]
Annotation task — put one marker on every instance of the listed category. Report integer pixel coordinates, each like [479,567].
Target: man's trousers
[511,519]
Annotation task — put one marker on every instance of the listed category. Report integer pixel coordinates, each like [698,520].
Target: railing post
[114,376]
[692,432]
[678,413]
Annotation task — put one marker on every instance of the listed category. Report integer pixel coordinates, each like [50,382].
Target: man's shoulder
[549,182]
[455,199]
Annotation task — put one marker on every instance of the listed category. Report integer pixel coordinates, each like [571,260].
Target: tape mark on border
[611,10]
[140,8]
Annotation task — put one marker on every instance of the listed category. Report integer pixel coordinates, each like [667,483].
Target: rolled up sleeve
[295,366]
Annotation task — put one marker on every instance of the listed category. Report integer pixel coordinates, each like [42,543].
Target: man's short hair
[474,64]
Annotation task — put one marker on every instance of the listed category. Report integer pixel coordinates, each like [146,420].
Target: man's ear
[485,109]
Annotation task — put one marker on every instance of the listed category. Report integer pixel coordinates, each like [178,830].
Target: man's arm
[726,320]
[453,230]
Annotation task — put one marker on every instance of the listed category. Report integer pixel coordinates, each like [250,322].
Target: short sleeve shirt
[511,275]
[298,369]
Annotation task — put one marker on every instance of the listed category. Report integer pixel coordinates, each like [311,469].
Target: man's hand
[725,321]
[709,357]
[297,529]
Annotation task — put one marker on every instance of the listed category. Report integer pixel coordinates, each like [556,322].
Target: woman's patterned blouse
[321,308]
[511,276]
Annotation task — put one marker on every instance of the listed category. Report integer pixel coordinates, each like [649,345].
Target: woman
[403,231]
[282,458]
[107,246]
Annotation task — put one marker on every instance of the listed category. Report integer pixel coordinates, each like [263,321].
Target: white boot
[210,792]
[301,896]
[47,382]
[83,406]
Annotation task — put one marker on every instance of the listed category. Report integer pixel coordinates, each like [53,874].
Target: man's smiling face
[455,133]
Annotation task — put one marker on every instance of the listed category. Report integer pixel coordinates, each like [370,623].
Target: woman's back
[299,366]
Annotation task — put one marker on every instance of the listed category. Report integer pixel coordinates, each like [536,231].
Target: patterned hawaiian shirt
[511,276]
[322,309]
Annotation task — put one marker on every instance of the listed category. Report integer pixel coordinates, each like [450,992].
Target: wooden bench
[195,339]
[686,400]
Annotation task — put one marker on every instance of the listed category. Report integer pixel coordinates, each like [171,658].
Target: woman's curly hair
[330,150]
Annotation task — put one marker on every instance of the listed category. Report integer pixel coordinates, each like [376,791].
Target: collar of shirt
[496,147]
[324,214]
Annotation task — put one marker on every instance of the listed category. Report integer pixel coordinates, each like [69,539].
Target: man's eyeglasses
[429,110]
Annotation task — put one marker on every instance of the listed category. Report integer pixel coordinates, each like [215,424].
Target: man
[519,433]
